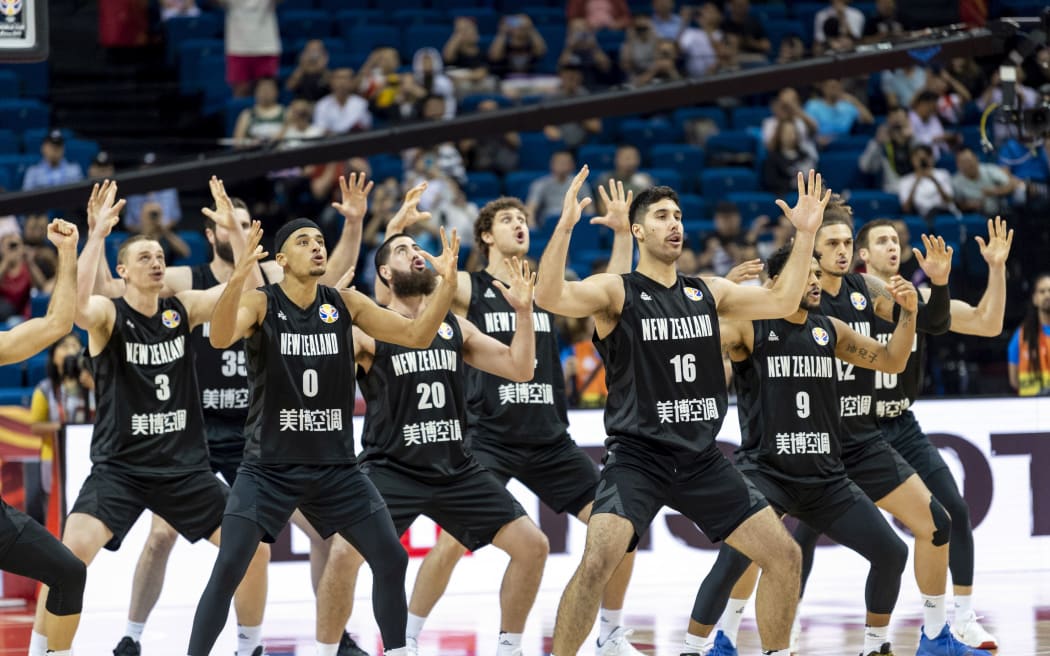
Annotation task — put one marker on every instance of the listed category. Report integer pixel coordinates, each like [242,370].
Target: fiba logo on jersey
[820,336]
[170,318]
[858,300]
[693,294]
[328,313]
[10,8]
[445,331]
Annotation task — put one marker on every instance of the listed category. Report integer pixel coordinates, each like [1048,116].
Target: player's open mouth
[675,239]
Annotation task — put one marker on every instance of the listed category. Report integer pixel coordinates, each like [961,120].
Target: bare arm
[617,208]
[177,243]
[237,312]
[353,208]
[986,319]
[516,361]
[866,352]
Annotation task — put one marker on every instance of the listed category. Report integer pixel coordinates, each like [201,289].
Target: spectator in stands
[298,125]
[728,61]
[467,64]
[625,169]
[583,366]
[968,73]
[837,27]
[381,84]
[792,49]
[638,52]
[600,14]
[926,190]
[547,193]
[728,245]
[981,187]
[428,79]
[785,160]
[311,78]
[835,111]
[668,24]
[342,111]
[884,24]
[457,212]
[664,67]
[446,157]
[700,45]
[1028,357]
[67,394]
[900,85]
[157,227]
[782,232]
[952,96]
[909,267]
[754,44]
[787,107]
[101,167]
[517,48]
[582,50]
[253,43]
[1037,69]
[888,154]
[572,135]
[179,9]
[492,153]
[16,275]
[926,126]
[166,199]
[262,122]
[53,169]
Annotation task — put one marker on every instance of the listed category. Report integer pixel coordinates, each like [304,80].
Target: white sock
[134,630]
[248,638]
[400,651]
[37,644]
[610,620]
[934,615]
[731,618]
[414,626]
[963,607]
[875,637]
[64,652]
[508,643]
[327,650]
[694,644]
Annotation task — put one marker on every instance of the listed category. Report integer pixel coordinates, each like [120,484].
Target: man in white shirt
[342,110]
[849,22]
[926,126]
[253,43]
[981,187]
[926,190]
[700,45]
[666,23]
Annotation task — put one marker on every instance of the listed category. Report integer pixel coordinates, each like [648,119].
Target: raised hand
[63,235]
[996,250]
[572,208]
[904,293]
[253,254]
[355,197]
[344,280]
[937,263]
[447,264]
[744,271]
[617,207]
[222,215]
[808,212]
[104,209]
[408,214]
[522,284]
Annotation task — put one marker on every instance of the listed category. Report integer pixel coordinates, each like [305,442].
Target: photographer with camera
[67,394]
[927,190]
[888,154]
[309,80]
[159,228]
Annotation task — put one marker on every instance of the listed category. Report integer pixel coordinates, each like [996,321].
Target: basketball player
[148,449]
[300,451]
[26,547]
[223,382]
[656,330]
[413,439]
[878,245]
[525,436]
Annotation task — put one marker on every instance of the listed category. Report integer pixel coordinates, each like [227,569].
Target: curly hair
[487,215]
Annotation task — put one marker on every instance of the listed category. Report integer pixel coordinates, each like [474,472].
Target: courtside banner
[998,450]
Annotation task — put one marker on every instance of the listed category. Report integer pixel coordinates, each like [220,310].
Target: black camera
[71,366]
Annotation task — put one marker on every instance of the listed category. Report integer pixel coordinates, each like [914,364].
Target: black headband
[285,231]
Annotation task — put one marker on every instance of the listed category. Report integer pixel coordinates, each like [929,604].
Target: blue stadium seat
[405,17]
[386,166]
[729,143]
[542,16]
[36,369]
[753,203]
[517,183]
[850,142]
[34,79]
[362,36]
[304,24]
[8,181]
[694,207]
[749,117]
[643,134]
[872,204]
[190,53]
[291,6]
[470,103]
[536,150]
[667,177]
[16,396]
[347,18]
[779,28]
[9,143]
[599,157]
[554,35]
[486,19]
[610,40]
[697,230]
[10,85]
[482,183]
[717,182]
[178,30]
[462,4]
[767,12]
[199,248]
[840,170]
[34,137]
[25,114]
[536,246]
[82,152]
[682,116]
[687,160]
[585,236]
[38,304]
[16,166]
[11,375]
[959,228]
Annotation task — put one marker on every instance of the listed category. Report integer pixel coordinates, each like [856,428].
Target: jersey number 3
[233,364]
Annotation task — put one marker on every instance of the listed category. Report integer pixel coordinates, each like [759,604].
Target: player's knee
[161,539]
[782,556]
[942,524]
[68,577]
[392,564]
[958,510]
[894,557]
[262,557]
[536,546]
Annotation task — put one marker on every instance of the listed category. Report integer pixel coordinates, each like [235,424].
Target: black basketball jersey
[500,409]
[149,413]
[221,373]
[301,368]
[856,385]
[793,421]
[895,393]
[663,364]
[416,409]
[746,385]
